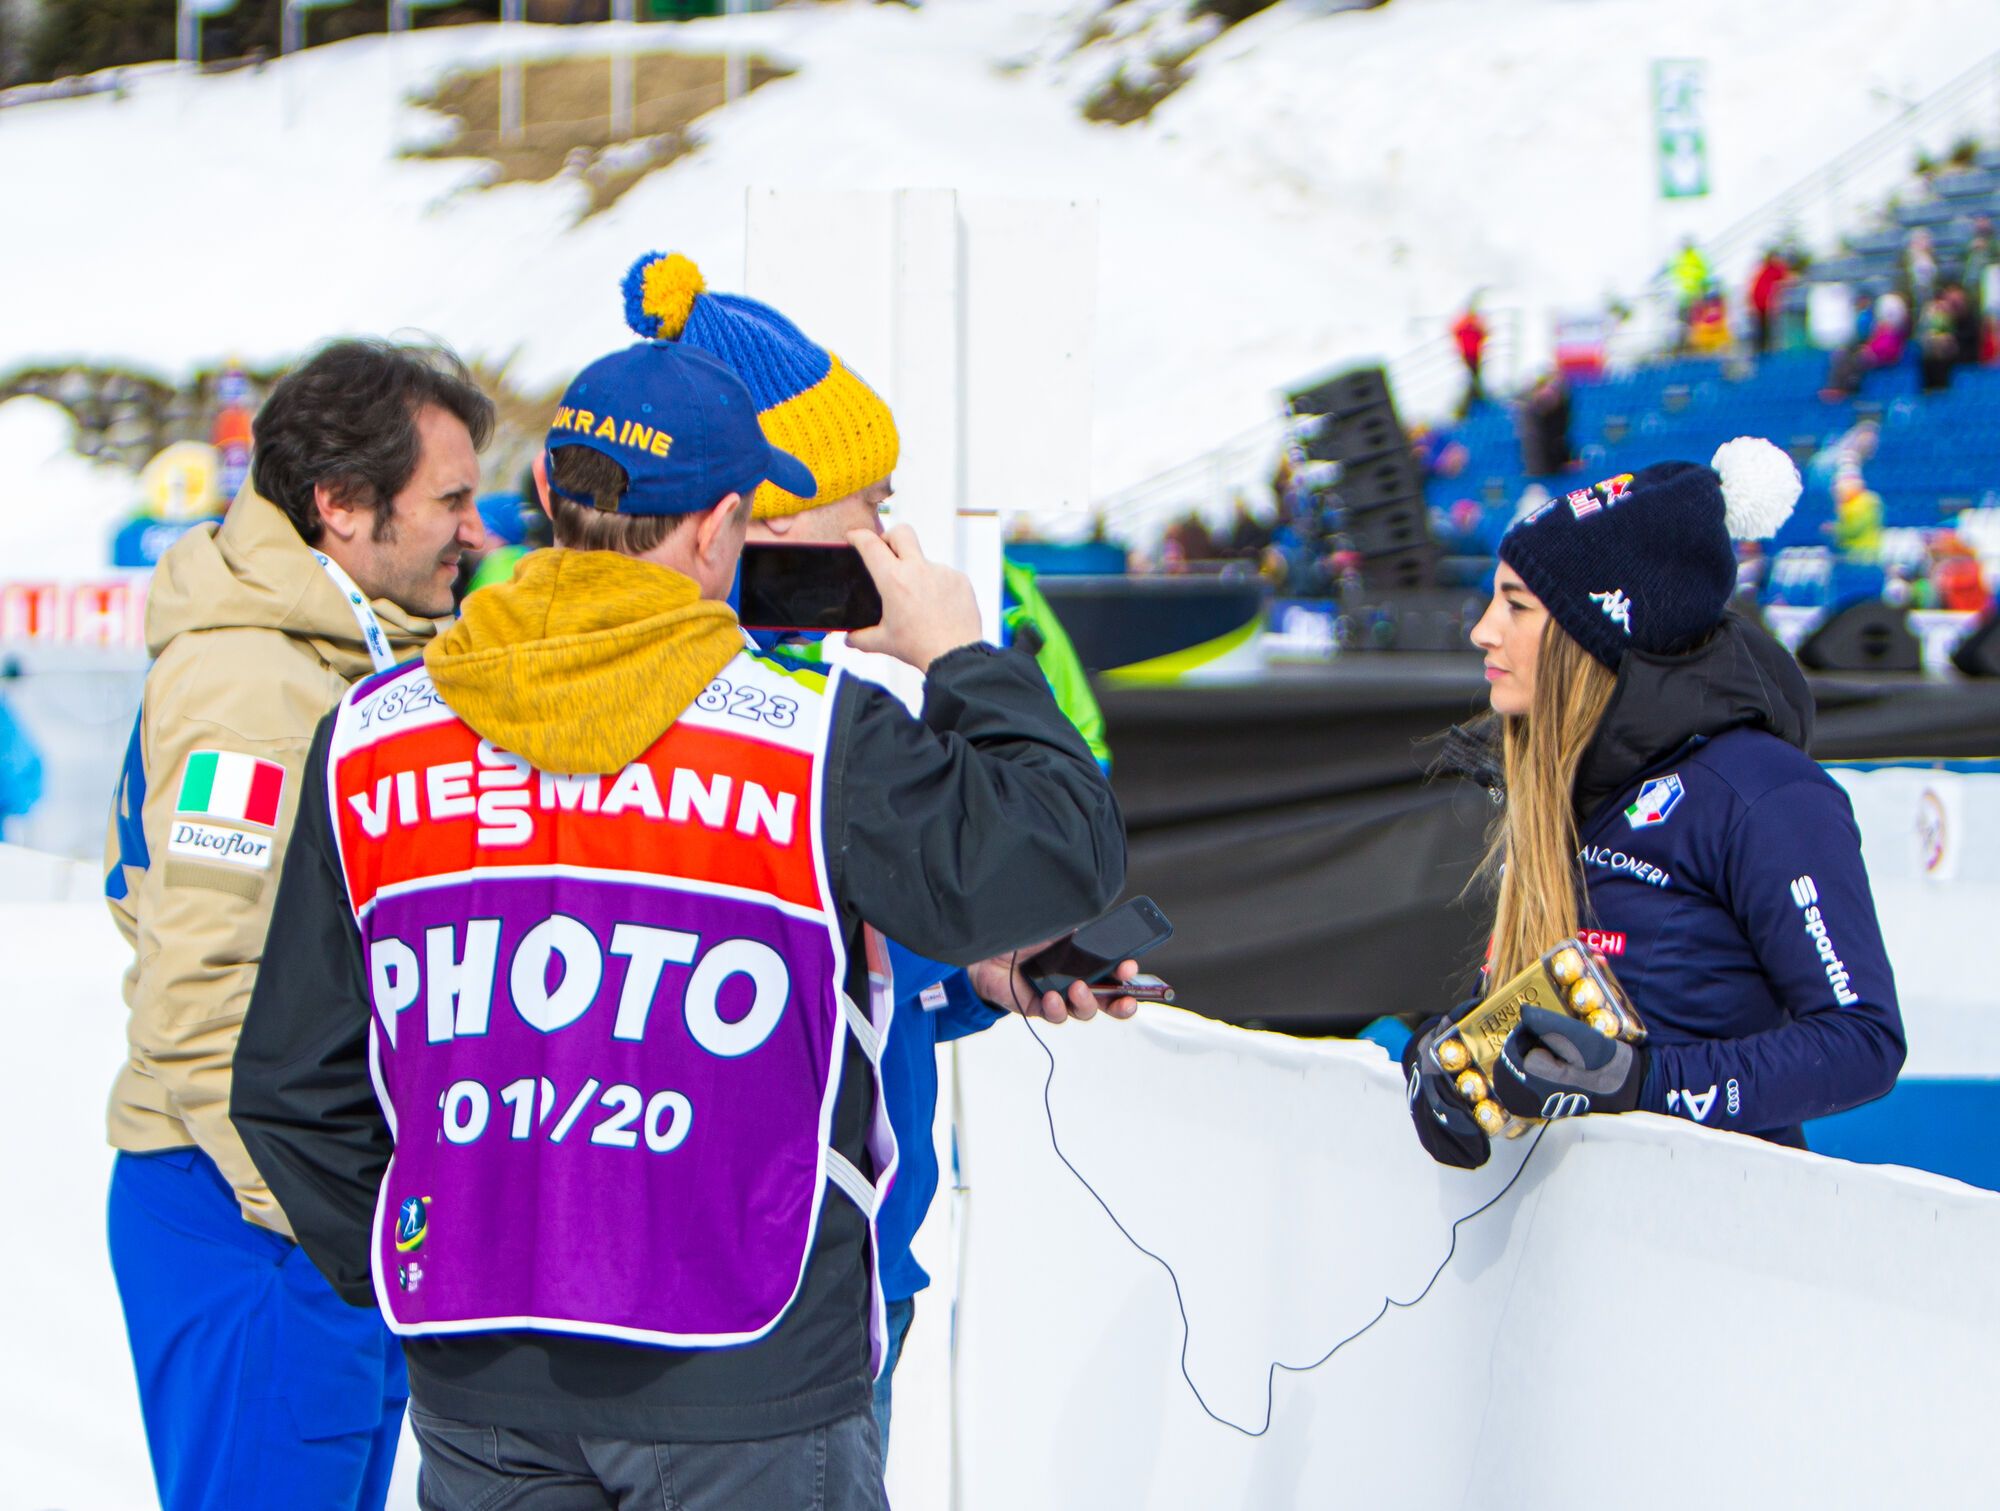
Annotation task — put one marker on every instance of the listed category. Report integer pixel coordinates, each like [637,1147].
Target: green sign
[1679,85]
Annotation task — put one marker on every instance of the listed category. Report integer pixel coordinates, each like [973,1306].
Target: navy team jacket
[1726,889]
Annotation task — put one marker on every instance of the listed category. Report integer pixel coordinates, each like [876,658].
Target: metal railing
[1825,205]
[1427,379]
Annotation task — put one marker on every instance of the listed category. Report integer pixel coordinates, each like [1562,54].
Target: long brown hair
[1531,852]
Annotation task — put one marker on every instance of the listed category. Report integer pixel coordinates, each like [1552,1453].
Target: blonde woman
[1659,801]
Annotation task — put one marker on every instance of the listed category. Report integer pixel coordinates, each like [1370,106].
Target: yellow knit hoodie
[584,659]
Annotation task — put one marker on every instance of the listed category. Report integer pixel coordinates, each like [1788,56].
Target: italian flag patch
[224,784]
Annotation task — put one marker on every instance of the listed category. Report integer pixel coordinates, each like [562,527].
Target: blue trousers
[901,1315]
[260,1387]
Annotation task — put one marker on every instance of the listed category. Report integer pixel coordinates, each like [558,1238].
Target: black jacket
[982,827]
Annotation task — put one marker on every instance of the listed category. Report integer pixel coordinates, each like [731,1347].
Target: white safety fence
[1655,1315]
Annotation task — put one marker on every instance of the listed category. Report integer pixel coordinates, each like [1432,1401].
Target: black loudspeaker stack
[1977,653]
[1869,636]
[1379,497]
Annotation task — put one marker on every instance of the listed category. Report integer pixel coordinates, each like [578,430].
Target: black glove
[1444,1123]
[1557,1067]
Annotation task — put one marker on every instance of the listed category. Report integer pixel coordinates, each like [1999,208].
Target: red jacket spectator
[1772,275]
[1470,334]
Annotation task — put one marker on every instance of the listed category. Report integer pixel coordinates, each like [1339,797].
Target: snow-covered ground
[70,1432]
[58,511]
[1328,186]
[71,1438]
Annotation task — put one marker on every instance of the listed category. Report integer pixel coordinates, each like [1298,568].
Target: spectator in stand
[1470,334]
[1438,451]
[1188,541]
[1708,324]
[1920,269]
[1753,565]
[1965,322]
[1937,342]
[1857,520]
[1773,273]
[1248,535]
[1544,426]
[1978,276]
[1882,347]
[1691,276]
[1955,576]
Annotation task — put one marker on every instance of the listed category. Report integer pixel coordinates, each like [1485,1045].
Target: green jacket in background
[1025,607]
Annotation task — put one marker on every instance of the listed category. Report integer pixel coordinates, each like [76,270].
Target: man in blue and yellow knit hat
[814,406]
[819,409]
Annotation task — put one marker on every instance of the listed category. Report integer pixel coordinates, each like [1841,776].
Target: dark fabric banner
[1314,875]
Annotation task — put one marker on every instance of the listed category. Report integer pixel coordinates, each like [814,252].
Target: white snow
[1330,185]
[58,511]
[73,1437]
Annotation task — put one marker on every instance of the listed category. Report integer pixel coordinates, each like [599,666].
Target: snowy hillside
[1326,186]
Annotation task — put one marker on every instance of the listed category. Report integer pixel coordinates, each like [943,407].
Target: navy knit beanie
[1647,561]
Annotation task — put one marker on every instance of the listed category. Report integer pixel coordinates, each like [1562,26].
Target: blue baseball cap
[681,424]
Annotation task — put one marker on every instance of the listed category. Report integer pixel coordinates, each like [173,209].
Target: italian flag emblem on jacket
[227,785]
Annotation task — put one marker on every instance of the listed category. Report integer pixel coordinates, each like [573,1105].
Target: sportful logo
[1617,607]
[1805,892]
[1655,801]
[1565,1104]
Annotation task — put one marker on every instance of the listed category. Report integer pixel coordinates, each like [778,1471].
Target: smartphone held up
[1092,953]
[809,587]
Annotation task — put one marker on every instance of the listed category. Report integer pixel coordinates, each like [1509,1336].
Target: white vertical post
[621,77]
[735,80]
[513,103]
[1029,270]
[883,294]
[973,319]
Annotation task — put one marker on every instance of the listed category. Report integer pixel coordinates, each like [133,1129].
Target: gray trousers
[467,1467]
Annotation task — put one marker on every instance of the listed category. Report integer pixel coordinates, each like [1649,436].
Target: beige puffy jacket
[253,644]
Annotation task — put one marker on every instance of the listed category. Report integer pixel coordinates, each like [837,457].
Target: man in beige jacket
[259,1386]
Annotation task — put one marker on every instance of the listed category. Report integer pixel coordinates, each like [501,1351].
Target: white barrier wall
[1656,1315]
[1931,837]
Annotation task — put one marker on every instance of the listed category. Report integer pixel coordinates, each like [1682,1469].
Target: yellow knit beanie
[811,405]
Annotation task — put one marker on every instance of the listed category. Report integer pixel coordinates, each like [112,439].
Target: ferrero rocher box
[1567,979]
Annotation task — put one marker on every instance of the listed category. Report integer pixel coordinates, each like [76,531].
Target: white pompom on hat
[1760,485]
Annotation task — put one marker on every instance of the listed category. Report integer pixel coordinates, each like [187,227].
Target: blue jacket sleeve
[1793,878]
[959,1013]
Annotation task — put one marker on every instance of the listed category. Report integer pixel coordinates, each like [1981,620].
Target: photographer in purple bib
[675,1305]
[1659,804]
[844,431]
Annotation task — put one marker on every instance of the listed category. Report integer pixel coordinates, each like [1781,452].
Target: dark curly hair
[348,418]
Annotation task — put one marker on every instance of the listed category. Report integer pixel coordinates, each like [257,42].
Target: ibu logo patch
[1655,801]
[412,1223]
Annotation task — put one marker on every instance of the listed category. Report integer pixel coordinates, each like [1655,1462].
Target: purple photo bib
[609,1017]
